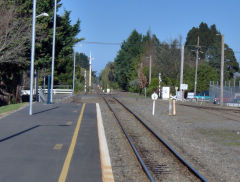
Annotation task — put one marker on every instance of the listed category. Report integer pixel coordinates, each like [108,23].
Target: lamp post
[74,62]
[222,69]
[90,70]
[33,53]
[53,49]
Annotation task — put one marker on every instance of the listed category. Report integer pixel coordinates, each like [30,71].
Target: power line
[117,44]
[101,43]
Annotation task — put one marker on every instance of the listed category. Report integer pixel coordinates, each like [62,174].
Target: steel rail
[174,152]
[132,145]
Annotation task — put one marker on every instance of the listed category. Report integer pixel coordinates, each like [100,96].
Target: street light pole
[222,71]
[32,55]
[90,71]
[74,62]
[53,48]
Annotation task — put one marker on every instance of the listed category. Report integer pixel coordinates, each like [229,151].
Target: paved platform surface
[34,148]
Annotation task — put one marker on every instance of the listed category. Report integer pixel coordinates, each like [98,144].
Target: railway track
[159,161]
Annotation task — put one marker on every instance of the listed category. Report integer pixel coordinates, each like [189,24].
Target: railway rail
[158,159]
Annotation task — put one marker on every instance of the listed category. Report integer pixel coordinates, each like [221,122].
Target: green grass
[9,108]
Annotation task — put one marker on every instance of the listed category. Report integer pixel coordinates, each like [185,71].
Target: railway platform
[58,142]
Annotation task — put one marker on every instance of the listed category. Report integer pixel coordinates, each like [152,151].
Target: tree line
[130,69]
[15,46]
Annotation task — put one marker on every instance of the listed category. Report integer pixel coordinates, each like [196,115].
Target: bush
[153,87]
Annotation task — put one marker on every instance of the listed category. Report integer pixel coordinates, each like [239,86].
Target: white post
[32,56]
[153,110]
[53,49]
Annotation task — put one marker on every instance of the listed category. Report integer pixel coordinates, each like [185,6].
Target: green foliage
[107,77]
[211,46]
[127,60]
[153,87]
[66,38]
[82,60]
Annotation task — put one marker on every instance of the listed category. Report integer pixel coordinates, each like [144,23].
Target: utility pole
[90,71]
[85,81]
[182,64]
[74,62]
[222,71]
[150,69]
[197,52]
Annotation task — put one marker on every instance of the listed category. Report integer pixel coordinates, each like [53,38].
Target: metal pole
[90,71]
[49,90]
[32,56]
[53,48]
[196,70]
[85,81]
[222,72]
[182,64]
[74,61]
[150,69]
[37,94]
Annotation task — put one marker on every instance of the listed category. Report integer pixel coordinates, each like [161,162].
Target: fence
[231,93]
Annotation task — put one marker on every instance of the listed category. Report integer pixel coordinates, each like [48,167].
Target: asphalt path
[34,148]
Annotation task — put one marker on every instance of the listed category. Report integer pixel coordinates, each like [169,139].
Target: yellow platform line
[64,172]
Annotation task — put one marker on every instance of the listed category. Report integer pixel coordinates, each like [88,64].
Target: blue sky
[114,20]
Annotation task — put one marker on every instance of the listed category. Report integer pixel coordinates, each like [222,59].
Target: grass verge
[10,108]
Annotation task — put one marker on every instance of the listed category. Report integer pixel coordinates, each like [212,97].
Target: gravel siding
[208,140]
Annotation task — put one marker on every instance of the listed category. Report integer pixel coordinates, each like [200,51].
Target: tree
[15,48]
[210,44]
[127,61]
[14,34]
[82,60]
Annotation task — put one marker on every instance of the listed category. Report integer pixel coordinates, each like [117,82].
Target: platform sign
[154,96]
[165,92]
[190,95]
[184,87]
[179,95]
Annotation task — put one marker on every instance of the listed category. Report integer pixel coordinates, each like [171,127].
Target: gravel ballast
[208,140]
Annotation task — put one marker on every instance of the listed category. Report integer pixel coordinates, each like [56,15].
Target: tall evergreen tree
[127,60]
